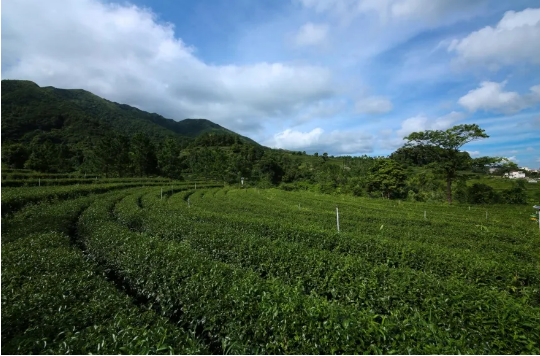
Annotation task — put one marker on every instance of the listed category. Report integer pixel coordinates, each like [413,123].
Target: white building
[515,175]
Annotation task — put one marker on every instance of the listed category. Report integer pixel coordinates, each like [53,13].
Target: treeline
[411,173]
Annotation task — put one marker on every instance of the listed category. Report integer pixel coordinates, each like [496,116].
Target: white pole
[337,218]
[298,206]
[469,208]
[425,215]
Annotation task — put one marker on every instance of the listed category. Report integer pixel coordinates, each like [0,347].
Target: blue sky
[336,76]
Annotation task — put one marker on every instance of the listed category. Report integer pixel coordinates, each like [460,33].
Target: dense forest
[55,130]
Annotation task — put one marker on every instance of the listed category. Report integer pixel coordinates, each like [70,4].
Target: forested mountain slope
[73,116]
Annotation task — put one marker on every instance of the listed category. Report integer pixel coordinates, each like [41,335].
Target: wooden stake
[337,218]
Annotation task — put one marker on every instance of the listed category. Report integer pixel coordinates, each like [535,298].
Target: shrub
[480,193]
[515,195]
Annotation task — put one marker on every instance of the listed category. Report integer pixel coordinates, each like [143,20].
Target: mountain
[73,116]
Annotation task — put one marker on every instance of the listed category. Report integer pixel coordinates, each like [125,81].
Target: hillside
[74,115]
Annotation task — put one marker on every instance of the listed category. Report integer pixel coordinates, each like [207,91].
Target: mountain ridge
[29,110]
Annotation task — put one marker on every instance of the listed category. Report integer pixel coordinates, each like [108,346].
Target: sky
[346,77]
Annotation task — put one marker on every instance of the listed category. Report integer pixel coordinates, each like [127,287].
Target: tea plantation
[95,265]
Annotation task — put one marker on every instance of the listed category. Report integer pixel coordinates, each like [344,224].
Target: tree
[110,156]
[446,146]
[480,193]
[386,176]
[48,156]
[143,155]
[270,169]
[15,155]
[484,164]
[169,158]
[517,194]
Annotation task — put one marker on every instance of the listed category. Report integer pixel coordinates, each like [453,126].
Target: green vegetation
[167,268]
[444,148]
[71,134]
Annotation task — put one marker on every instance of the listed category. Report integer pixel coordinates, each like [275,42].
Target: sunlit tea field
[158,266]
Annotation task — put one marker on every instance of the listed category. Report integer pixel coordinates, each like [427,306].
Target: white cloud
[123,53]
[516,38]
[473,153]
[317,140]
[292,139]
[311,34]
[513,159]
[322,110]
[530,149]
[429,11]
[373,105]
[387,140]
[490,96]
[422,123]
[391,140]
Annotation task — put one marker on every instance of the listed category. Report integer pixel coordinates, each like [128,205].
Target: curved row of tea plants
[350,281]
[517,275]
[237,307]
[76,181]
[55,301]
[14,199]
[170,268]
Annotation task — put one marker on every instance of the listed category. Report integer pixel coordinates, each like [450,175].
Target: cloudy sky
[336,76]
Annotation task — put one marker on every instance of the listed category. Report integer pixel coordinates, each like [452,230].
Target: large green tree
[386,176]
[446,148]
[15,155]
[110,156]
[169,158]
[142,155]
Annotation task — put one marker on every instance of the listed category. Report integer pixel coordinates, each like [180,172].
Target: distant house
[515,175]
[493,170]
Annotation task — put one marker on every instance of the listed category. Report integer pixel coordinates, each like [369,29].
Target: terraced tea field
[161,267]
